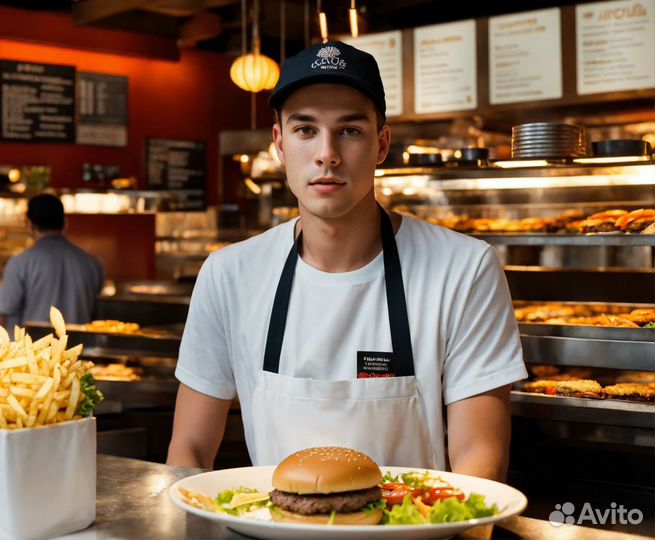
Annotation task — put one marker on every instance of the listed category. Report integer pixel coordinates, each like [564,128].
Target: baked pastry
[641,316]
[631,391]
[543,371]
[639,377]
[569,388]
[544,386]
[579,388]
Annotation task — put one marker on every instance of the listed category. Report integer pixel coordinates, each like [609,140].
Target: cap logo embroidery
[328,58]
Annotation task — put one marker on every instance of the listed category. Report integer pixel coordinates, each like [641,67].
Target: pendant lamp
[253,72]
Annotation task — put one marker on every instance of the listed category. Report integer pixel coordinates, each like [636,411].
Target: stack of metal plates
[548,140]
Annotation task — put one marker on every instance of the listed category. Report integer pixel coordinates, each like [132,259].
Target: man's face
[327,139]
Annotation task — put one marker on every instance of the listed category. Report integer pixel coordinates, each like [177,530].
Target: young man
[53,272]
[348,326]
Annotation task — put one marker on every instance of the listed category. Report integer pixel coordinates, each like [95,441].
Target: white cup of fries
[47,436]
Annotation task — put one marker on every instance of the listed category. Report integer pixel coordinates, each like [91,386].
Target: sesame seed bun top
[326,469]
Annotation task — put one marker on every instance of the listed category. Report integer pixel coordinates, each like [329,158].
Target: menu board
[386,48]
[445,72]
[102,109]
[37,102]
[525,57]
[615,46]
[178,165]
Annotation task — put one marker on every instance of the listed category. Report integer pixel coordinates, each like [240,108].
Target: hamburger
[602,221]
[327,485]
[637,220]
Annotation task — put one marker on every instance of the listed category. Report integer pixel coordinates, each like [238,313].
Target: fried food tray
[611,412]
[98,344]
[592,346]
[559,239]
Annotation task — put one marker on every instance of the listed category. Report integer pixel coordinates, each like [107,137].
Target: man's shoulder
[256,250]
[72,247]
[440,241]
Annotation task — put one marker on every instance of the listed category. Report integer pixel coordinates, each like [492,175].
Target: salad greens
[416,507]
[92,396]
[650,325]
[415,480]
[238,502]
[445,511]
[427,498]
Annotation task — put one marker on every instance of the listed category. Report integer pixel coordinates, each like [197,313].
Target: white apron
[382,417]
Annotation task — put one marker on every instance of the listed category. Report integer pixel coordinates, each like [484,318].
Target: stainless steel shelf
[590,332]
[545,239]
[586,410]
[97,344]
[601,353]
[138,394]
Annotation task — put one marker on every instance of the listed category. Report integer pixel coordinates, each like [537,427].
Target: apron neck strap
[398,321]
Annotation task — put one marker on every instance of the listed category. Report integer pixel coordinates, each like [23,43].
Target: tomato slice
[394,493]
[434,495]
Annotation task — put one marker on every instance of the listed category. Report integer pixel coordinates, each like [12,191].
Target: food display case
[134,344]
[563,444]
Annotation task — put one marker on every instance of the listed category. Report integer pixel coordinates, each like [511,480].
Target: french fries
[42,382]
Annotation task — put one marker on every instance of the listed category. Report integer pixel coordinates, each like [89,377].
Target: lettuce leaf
[229,501]
[445,511]
[453,509]
[404,514]
[377,505]
[92,396]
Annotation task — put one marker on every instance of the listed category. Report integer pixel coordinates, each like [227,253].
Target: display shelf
[587,410]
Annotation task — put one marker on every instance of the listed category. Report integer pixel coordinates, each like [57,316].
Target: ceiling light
[254,72]
[352,15]
[322,22]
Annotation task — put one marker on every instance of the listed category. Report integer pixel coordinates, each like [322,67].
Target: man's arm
[198,428]
[479,430]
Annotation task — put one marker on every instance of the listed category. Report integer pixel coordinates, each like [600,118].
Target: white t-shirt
[465,339]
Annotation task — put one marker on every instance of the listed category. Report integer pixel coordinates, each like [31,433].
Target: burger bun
[325,470]
[372,517]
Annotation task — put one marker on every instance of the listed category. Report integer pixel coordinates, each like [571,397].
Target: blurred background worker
[52,272]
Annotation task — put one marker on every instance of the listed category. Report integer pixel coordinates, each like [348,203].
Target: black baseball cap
[333,62]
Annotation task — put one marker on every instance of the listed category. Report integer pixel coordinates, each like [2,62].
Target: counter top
[132,502]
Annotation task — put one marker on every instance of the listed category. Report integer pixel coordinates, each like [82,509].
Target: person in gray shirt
[53,272]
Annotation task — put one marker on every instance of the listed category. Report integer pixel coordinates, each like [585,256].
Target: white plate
[510,501]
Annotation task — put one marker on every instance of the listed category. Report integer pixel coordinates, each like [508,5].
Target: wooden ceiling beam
[186,8]
[91,11]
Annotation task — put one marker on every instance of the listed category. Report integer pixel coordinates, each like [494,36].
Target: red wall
[189,98]
[125,243]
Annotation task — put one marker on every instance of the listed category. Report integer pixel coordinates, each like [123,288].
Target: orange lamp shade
[254,72]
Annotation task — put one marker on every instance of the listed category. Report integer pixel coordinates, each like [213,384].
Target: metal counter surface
[133,503]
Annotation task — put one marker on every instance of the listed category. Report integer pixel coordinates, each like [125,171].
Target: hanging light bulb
[352,14]
[322,23]
[253,72]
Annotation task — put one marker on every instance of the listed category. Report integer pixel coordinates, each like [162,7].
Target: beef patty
[348,501]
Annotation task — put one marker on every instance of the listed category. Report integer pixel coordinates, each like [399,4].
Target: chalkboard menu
[180,166]
[37,102]
[102,105]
